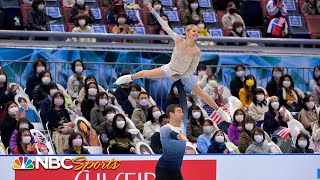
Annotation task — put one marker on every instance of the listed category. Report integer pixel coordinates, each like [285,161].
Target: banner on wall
[195,167]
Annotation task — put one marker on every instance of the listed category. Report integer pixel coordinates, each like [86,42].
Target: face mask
[58,102]
[189,104]
[240,74]
[201,73]
[196,115]
[46,80]
[201,26]
[208,129]
[13,111]
[121,20]
[134,94]
[144,102]
[110,117]
[24,126]
[41,7]
[194,6]
[232,10]
[121,124]
[40,69]
[213,83]
[145,153]
[239,118]
[275,105]
[219,139]
[80,2]
[53,91]
[302,143]
[3,78]
[156,114]
[103,102]
[77,142]
[317,74]
[310,105]
[248,127]
[26,139]
[250,82]
[175,91]
[260,97]
[286,84]
[239,30]
[92,91]
[82,22]
[157,7]
[277,75]
[79,69]
[258,138]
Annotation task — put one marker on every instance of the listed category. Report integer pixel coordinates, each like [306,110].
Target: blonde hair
[189,27]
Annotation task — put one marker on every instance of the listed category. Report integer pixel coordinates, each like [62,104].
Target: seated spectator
[183,4]
[38,18]
[27,112]
[316,93]
[87,104]
[278,27]
[203,32]
[156,144]
[245,93]
[302,144]
[159,9]
[308,115]
[11,115]
[275,7]
[22,123]
[120,141]
[41,91]
[258,107]
[122,91]
[140,113]
[81,23]
[46,104]
[212,89]
[173,96]
[288,96]
[195,123]
[76,145]
[218,143]
[203,72]
[6,93]
[316,76]
[231,17]
[89,79]
[88,134]
[160,31]
[245,139]
[274,84]
[76,81]
[192,15]
[117,7]
[153,124]
[316,135]
[238,31]
[106,127]
[80,7]
[204,140]
[68,3]
[38,66]
[122,26]
[273,119]
[96,116]
[235,127]
[257,146]
[132,99]
[24,146]
[237,83]
[310,8]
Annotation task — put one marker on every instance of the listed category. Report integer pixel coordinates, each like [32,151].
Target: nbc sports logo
[23,163]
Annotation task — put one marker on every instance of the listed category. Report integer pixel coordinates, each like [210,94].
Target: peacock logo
[23,163]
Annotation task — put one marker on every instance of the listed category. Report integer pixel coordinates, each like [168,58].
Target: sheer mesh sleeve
[166,27]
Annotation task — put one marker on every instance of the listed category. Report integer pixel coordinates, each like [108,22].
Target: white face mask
[46,80]
[239,118]
[92,91]
[310,105]
[275,105]
[40,69]
[110,117]
[144,102]
[121,20]
[260,97]
[53,91]
[201,73]
[82,22]
[121,124]
[219,139]
[41,7]
[26,139]
[175,91]
[24,126]
[58,102]
[286,84]
[189,104]
[208,129]
[78,69]
[3,78]
[248,127]
[80,2]
[12,111]
[277,75]
[103,102]
[302,143]
[77,142]
[157,7]
[239,30]
[194,6]
[240,74]
[156,114]
[258,138]
[196,115]
[134,94]
[201,26]
[213,83]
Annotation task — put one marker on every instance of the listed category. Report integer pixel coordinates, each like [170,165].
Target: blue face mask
[143,102]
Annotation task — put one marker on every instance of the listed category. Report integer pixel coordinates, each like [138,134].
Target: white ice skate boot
[123,79]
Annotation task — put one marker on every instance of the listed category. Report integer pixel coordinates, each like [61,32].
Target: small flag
[216,117]
[284,133]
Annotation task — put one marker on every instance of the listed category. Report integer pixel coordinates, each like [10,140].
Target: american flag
[284,133]
[216,117]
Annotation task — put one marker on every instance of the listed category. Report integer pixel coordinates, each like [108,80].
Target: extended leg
[154,73]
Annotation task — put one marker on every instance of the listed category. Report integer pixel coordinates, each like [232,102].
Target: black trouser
[165,174]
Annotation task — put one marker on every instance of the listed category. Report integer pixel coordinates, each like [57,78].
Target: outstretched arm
[164,25]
